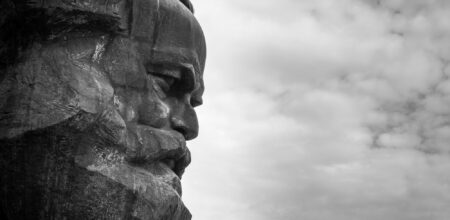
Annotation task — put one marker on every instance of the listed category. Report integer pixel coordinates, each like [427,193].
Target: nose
[176,114]
[184,120]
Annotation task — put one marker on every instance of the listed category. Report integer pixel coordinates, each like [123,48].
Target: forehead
[167,32]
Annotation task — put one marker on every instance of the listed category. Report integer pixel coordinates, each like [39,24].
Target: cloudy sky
[322,110]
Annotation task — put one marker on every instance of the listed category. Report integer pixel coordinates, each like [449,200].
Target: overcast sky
[323,110]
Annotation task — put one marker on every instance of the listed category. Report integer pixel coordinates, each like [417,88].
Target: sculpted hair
[23,22]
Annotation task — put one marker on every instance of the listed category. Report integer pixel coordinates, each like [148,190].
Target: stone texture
[96,104]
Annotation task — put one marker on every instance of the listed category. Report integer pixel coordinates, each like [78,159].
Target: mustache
[146,145]
[140,144]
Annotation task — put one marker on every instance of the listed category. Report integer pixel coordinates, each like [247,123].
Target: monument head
[97,101]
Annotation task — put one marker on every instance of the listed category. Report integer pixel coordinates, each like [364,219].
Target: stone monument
[97,101]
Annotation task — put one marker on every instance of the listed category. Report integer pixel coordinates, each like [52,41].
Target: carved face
[130,100]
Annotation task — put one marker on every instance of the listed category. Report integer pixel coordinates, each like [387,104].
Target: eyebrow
[181,71]
[165,69]
[175,58]
[171,69]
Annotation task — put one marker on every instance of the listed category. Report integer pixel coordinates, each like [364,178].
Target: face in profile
[108,115]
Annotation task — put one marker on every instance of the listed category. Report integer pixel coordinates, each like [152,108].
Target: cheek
[126,113]
[126,103]
[141,107]
[153,112]
[92,87]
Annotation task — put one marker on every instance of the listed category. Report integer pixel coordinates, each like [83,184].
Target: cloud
[323,110]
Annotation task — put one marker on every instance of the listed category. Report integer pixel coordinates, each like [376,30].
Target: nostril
[183,131]
[180,126]
[188,4]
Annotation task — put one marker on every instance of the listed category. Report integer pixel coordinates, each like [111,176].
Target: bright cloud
[323,110]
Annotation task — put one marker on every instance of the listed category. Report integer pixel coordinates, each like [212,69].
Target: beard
[93,167]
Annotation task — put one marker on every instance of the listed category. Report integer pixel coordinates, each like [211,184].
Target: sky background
[323,110]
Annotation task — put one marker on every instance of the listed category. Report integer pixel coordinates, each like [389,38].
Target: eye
[165,82]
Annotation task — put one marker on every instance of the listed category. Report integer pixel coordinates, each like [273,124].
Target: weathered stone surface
[96,105]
